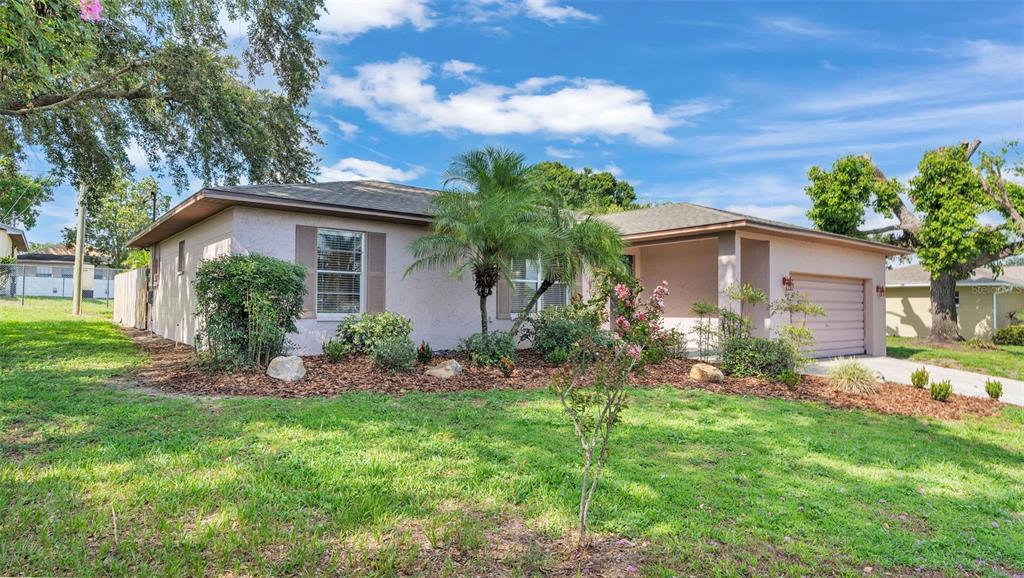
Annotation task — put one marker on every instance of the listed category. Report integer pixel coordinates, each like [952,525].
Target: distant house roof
[38,257]
[367,199]
[681,219]
[17,236]
[916,276]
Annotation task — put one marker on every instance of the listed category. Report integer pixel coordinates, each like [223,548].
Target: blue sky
[720,103]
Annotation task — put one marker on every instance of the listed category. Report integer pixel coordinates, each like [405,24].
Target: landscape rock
[445,369]
[706,373]
[286,368]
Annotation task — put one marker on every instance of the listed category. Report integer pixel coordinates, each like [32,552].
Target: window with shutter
[526,278]
[339,271]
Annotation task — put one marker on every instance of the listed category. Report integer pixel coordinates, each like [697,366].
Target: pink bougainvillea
[90,10]
[621,291]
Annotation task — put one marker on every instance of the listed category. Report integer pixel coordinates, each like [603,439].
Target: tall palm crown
[489,215]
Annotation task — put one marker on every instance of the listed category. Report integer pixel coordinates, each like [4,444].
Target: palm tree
[575,243]
[488,215]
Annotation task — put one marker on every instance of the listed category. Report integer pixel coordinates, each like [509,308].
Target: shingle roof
[373,195]
[916,275]
[15,232]
[45,257]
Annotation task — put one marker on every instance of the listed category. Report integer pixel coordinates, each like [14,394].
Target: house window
[526,278]
[956,298]
[181,257]
[339,271]
[42,271]
[67,272]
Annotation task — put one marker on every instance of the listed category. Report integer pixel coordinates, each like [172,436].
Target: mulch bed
[172,368]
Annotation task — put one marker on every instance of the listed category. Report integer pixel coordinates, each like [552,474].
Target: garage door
[842,330]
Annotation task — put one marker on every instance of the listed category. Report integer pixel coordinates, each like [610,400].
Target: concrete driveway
[899,370]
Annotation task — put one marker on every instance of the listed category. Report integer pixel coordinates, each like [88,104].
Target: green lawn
[1006,361]
[101,481]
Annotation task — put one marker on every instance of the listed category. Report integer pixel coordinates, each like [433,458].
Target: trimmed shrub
[424,354]
[852,376]
[919,378]
[336,350]
[489,351]
[394,353]
[941,390]
[790,378]
[1010,335]
[756,357]
[246,306]
[994,388]
[559,329]
[506,366]
[668,344]
[363,332]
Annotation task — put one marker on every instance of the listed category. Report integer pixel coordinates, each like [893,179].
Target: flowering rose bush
[90,10]
[638,321]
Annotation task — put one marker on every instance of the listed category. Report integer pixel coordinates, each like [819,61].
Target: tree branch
[989,258]
[46,102]
[909,223]
[880,230]
[1002,197]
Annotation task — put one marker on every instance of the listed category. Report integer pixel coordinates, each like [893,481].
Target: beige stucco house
[354,236]
[983,302]
[12,240]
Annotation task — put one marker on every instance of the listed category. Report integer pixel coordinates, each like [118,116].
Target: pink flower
[641,317]
[622,323]
[90,10]
[621,291]
[634,352]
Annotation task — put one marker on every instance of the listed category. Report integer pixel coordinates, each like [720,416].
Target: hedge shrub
[555,331]
[757,357]
[246,306]
[1009,335]
[489,351]
[362,333]
[394,353]
[941,390]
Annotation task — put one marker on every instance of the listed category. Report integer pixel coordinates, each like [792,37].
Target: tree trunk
[485,279]
[483,316]
[520,319]
[944,318]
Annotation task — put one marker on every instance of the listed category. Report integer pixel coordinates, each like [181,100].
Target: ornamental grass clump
[919,378]
[941,390]
[852,376]
[994,388]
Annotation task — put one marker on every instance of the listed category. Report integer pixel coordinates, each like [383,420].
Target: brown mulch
[172,368]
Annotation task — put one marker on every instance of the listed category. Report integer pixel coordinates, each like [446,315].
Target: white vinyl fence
[55,281]
[130,298]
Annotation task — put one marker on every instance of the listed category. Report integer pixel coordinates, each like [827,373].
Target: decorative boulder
[705,372]
[445,369]
[286,368]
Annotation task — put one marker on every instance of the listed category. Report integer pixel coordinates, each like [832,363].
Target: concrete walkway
[964,382]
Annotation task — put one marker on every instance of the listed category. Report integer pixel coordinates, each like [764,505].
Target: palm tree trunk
[485,278]
[483,316]
[944,316]
[521,318]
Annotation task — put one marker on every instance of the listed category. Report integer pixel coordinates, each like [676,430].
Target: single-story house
[983,302]
[12,240]
[51,274]
[354,238]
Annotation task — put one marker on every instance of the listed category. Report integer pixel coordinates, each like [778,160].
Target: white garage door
[842,330]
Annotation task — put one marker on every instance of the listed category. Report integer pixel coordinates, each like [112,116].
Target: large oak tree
[941,221]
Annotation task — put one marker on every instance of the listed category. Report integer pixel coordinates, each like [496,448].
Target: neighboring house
[353,237]
[12,240]
[982,302]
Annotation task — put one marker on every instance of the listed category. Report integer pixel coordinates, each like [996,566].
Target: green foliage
[756,357]
[705,328]
[424,353]
[7,263]
[337,350]
[852,376]
[507,366]
[586,190]
[394,353]
[247,304]
[798,308]
[159,75]
[919,378]
[136,259]
[489,217]
[490,348]
[555,330]
[124,209]
[941,390]
[20,195]
[994,388]
[746,294]
[841,196]
[363,332]
[593,394]
[790,378]
[1010,335]
[980,343]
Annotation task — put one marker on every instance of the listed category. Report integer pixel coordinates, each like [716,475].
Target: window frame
[328,316]
[540,278]
[180,265]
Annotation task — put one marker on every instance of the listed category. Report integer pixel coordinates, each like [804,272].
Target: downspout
[995,307]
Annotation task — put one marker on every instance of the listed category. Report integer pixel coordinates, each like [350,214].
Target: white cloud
[399,95]
[693,108]
[549,11]
[353,169]
[342,20]
[460,69]
[798,27]
[562,153]
[612,168]
[347,129]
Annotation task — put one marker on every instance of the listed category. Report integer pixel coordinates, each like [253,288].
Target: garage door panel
[842,330]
